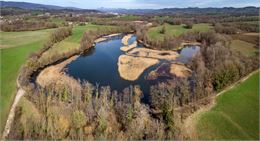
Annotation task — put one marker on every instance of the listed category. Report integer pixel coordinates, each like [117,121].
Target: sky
[146,4]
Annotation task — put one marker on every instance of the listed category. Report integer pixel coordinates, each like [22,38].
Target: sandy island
[130,68]
[126,38]
[104,38]
[156,54]
[127,48]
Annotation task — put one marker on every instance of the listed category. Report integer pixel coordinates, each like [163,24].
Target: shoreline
[126,38]
[55,74]
[106,37]
[155,54]
[56,69]
[183,45]
[129,47]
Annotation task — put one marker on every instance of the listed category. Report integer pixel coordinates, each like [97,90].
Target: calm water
[99,66]
[187,53]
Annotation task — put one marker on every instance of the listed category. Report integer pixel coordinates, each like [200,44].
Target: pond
[187,53]
[99,66]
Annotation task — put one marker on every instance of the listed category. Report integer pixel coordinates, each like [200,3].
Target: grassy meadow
[72,41]
[175,30]
[235,116]
[17,47]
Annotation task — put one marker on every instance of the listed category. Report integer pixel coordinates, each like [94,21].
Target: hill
[33,6]
[191,10]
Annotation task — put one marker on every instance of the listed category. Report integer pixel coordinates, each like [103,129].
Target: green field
[244,47]
[129,17]
[235,116]
[17,39]
[175,30]
[72,41]
[18,45]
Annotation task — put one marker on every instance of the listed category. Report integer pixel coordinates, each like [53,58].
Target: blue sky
[144,4]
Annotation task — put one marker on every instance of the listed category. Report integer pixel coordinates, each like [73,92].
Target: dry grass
[130,68]
[127,48]
[112,35]
[169,70]
[184,44]
[54,75]
[244,47]
[252,38]
[156,54]
[179,70]
[188,129]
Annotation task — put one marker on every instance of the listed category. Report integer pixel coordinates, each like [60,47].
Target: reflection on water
[187,53]
[99,66]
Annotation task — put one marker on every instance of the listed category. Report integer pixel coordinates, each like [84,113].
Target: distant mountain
[191,10]
[33,6]
[126,11]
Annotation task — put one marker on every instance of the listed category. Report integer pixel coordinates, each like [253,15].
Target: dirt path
[11,115]
[189,125]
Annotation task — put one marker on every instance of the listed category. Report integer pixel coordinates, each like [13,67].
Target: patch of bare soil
[129,47]
[5,46]
[54,75]
[130,68]
[156,54]
[126,38]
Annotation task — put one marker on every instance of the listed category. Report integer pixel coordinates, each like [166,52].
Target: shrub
[78,119]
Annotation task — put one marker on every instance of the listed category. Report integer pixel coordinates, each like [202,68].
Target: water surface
[99,66]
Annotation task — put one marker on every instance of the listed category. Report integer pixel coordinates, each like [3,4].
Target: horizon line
[129,8]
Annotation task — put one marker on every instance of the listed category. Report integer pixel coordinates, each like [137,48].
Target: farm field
[235,116]
[176,30]
[17,39]
[20,45]
[244,47]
